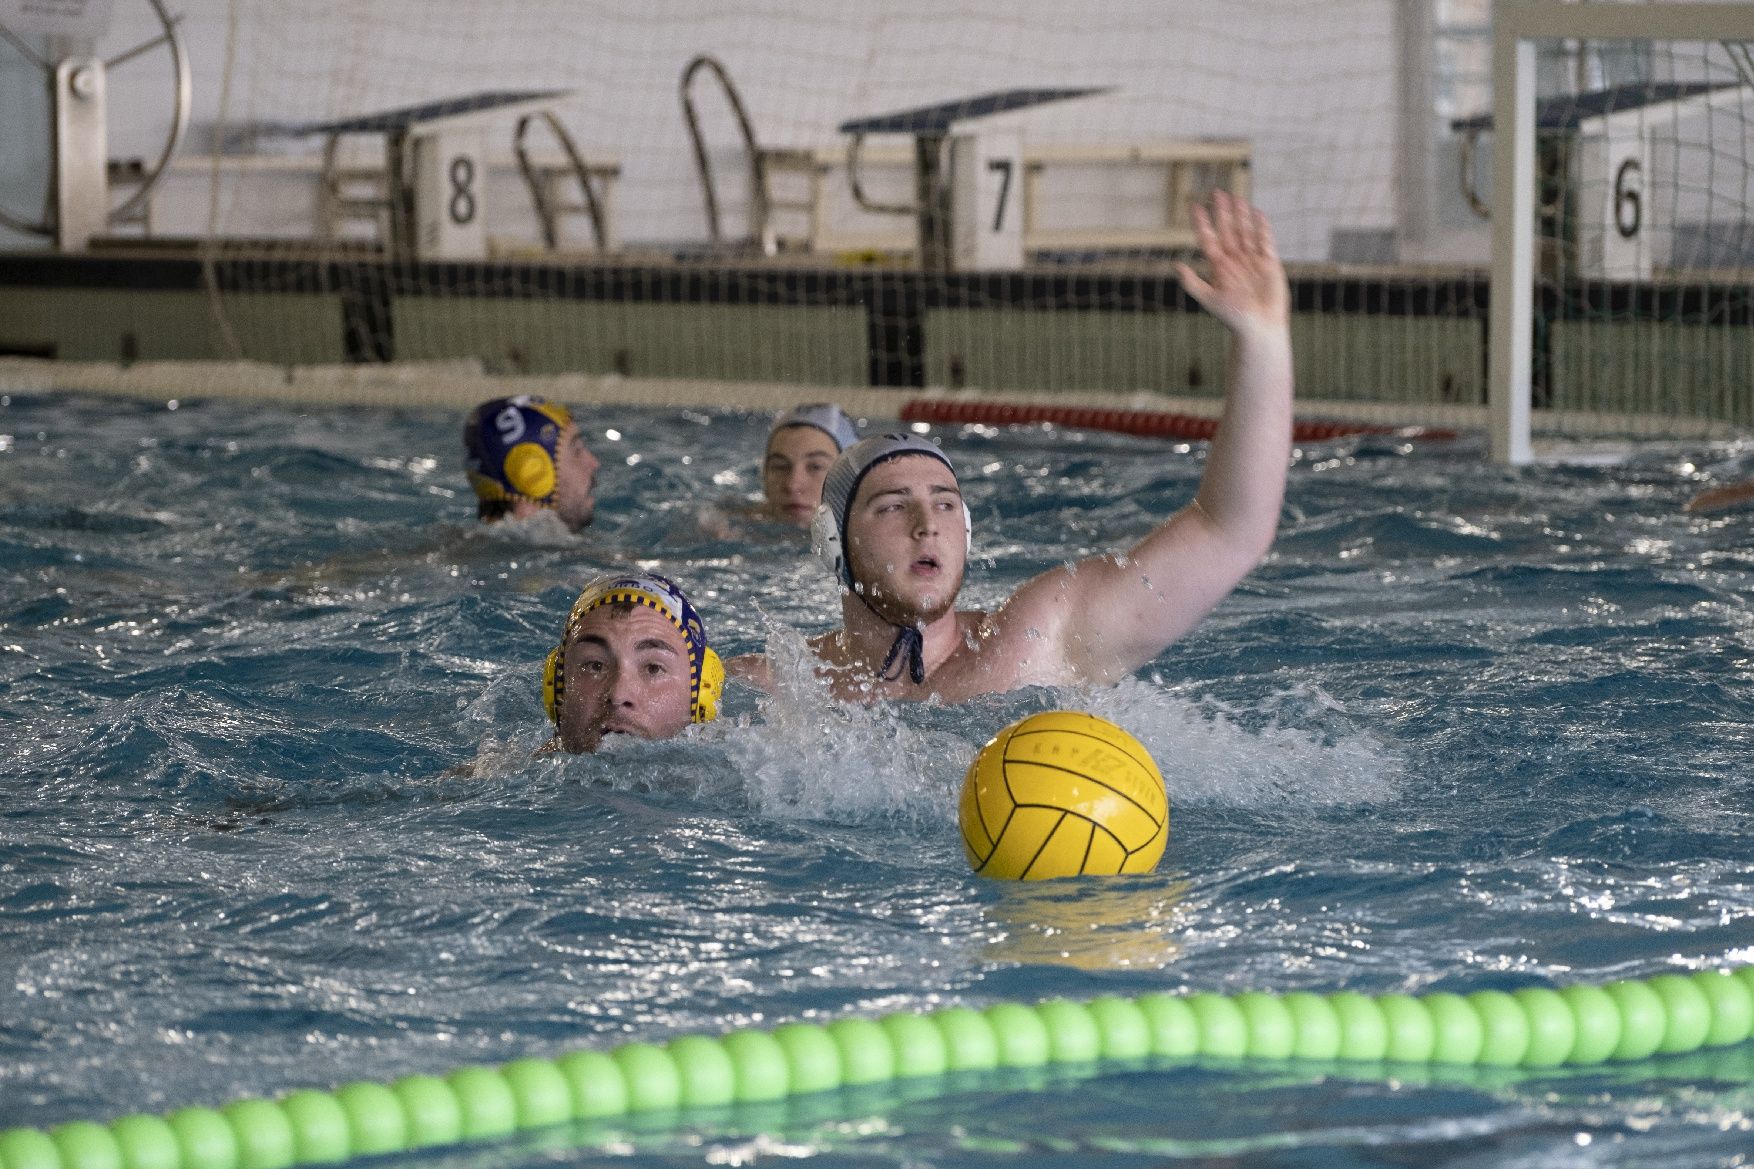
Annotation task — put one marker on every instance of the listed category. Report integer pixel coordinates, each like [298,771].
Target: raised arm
[1112,614]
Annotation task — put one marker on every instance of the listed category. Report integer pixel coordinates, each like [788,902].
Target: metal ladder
[762,204]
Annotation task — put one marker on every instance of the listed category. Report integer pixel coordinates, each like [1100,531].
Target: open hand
[1247,287]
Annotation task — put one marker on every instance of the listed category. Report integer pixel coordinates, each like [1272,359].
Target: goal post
[1518,26]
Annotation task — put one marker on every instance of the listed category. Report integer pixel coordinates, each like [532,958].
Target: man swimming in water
[524,456]
[633,660]
[801,445]
[894,528]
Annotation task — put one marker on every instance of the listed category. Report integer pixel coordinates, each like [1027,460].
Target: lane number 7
[1003,166]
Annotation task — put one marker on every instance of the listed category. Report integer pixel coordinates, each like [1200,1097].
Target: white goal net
[668,192]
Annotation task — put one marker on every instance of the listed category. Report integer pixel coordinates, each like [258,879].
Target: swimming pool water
[1468,728]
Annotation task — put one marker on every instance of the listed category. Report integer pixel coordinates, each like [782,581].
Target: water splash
[1297,748]
[812,757]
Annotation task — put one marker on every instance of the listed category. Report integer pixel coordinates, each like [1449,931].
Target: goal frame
[1516,26]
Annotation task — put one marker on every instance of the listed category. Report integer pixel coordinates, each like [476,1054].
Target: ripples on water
[1467,728]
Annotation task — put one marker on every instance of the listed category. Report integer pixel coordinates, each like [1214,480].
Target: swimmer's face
[575,480]
[906,538]
[626,674]
[798,459]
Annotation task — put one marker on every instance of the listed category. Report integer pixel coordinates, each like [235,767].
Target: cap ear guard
[825,541]
[530,470]
[553,684]
[711,688]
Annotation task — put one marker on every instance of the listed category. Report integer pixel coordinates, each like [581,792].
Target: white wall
[1313,84]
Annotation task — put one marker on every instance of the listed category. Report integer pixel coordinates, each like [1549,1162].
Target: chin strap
[909,644]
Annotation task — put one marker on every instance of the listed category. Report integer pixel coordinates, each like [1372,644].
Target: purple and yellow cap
[706,673]
[510,446]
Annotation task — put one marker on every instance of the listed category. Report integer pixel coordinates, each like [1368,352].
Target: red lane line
[1145,423]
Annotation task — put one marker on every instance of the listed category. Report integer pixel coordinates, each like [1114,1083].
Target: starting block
[972,217]
[435,164]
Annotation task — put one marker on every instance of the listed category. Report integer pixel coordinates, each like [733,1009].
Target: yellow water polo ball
[1063,794]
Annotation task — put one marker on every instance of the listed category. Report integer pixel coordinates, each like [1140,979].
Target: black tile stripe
[896,303]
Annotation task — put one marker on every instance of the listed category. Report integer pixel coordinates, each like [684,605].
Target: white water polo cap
[828,531]
[827,417]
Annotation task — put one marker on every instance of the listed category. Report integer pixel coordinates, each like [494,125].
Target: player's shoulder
[997,653]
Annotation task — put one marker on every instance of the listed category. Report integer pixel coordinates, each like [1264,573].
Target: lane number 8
[462,205]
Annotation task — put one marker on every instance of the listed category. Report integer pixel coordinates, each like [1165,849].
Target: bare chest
[975,664]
